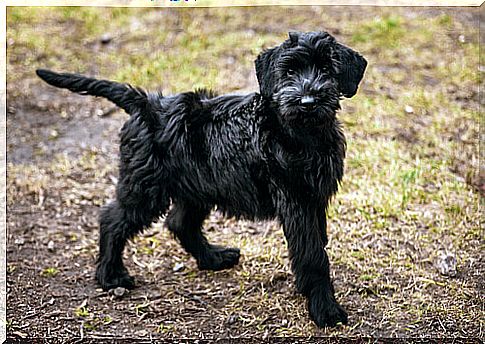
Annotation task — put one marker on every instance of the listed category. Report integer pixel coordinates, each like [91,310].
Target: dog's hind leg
[185,222]
[120,222]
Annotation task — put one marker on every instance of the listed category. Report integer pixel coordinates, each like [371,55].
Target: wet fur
[257,156]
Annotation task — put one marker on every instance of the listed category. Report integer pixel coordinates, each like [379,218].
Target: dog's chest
[326,172]
[317,170]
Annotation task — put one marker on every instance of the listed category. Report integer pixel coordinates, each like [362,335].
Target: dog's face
[306,76]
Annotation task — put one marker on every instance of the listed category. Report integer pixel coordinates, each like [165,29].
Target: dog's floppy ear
[265,71]
[351,66]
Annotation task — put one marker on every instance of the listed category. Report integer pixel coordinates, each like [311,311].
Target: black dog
[277,154]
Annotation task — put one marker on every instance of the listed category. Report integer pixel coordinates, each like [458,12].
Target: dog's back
[213,146]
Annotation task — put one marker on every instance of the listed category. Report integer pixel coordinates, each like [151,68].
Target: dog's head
[307,75]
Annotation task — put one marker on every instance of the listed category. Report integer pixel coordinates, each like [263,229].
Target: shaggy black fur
[278,154]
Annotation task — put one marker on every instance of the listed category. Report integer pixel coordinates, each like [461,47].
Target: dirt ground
[410,197]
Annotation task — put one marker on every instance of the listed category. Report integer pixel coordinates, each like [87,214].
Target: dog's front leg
[305,231]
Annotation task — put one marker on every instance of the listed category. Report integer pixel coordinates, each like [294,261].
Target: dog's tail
[129,98]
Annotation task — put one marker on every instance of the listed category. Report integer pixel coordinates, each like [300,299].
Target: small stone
[54,134]
[409,109]
[106,38]
[142,333]
[118,292]
[20,241]
[50,302]
[446,264]
[178,267]
[51,246]
[461,38]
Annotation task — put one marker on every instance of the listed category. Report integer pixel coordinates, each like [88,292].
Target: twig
[444,328]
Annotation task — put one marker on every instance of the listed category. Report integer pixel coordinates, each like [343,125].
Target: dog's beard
[288,101]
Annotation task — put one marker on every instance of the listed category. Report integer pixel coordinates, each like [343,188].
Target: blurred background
[406,244]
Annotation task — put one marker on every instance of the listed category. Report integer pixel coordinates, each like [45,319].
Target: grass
[91,321]
[49,272]
[82,312]
[387,31]
[411,189]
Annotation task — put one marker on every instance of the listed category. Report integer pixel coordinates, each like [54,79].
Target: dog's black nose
[308,102]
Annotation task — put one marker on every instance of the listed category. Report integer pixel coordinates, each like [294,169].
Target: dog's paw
[219,258]
[111,279]
[325,311]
